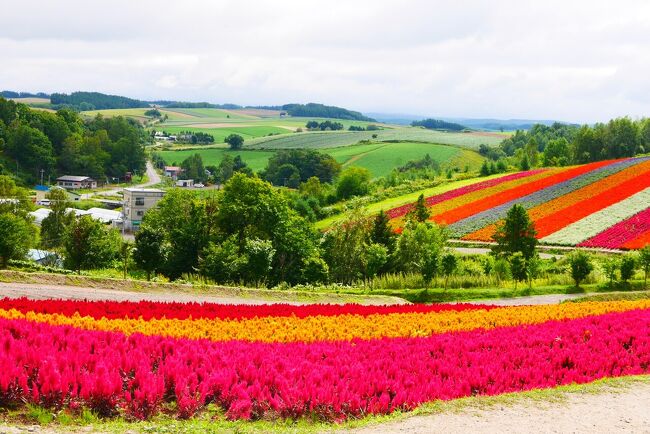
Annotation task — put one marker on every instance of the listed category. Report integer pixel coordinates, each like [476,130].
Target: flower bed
[138,375]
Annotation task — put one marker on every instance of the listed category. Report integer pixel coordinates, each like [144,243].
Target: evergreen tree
[382,233]
[516,233]
[419,212]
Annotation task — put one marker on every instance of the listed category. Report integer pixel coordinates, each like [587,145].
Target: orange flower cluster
[334,328]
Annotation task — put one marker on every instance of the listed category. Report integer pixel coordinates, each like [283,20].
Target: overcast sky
[572,60]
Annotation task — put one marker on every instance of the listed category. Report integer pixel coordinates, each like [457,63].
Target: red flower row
[151,309]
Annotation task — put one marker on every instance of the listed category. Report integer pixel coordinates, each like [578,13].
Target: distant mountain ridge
[487,124]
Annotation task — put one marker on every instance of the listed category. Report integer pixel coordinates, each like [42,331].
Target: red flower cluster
[109,372]
[151,309]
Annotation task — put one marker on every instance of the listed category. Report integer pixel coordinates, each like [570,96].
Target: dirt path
[608,412]
[40,291]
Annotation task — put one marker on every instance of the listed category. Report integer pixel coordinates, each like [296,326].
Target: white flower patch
[599,221]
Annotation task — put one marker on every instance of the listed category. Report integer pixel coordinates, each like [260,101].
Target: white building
[185,183]
[75,182]
[137,201]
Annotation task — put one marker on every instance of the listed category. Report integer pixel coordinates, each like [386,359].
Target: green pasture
[334,139]
[255,159]
[379,158]
[220,134]
[137,113]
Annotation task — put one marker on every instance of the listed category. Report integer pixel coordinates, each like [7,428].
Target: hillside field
[379,158]
[605,204]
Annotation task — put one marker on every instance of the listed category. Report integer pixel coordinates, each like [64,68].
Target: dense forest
[12,94]
[436,124]
[312,110]
[36,142]
[180,104]
[94,101]
[562,144]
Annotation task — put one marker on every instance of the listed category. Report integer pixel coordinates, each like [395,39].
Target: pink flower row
[621,233]
[61,366]
[432,200]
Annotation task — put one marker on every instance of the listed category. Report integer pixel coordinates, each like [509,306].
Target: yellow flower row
[331,328]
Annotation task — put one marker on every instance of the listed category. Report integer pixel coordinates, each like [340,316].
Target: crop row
[432,200]
[564,210]
[491,216]
[154,309]
[553,176]
[600,220]
[55,366]
[334,328]
[621,233]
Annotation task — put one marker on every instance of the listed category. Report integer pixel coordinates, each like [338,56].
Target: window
[140,213]
[139,201]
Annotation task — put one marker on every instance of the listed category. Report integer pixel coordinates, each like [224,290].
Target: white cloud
[578,60]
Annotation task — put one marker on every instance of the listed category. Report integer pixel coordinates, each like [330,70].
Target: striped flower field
[321,362]
[604,204]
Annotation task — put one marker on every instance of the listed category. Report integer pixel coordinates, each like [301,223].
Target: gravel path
[609,412]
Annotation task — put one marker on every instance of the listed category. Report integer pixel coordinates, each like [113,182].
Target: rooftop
[143,190]
[74,178]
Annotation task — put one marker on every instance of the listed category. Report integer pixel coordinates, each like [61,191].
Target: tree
[419,212]
[532,269]
[516,233]
[610,268]
[485,169]
[525,163]
[235,141]
[627,267]
[16,237]
[149,249]
[306,163]
[518,268]
[193,168]
[382,233]
[88,245]
[419,244]
[449,263]
[354,181]
[581,266]
[54,225]
[345,247]
[644,262]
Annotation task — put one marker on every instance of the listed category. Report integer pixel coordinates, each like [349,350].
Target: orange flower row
[335,328]
[606,187]
[490,201]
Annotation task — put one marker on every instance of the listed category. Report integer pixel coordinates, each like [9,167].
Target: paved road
[154,178]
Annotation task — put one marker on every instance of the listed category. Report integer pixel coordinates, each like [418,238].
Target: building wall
[136,204]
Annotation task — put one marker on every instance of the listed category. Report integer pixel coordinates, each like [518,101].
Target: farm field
[320,140]
[379,158]
[220,132]
[256,160]
[603,204]
[317,362]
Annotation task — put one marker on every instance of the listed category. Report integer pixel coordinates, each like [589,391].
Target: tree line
[83,101]
[563,144]
[437,124]
[36,142]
